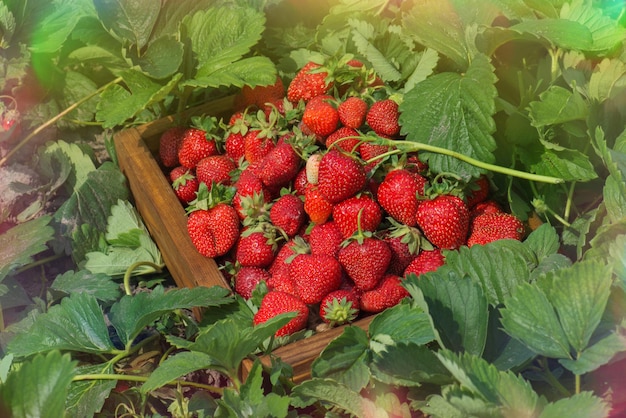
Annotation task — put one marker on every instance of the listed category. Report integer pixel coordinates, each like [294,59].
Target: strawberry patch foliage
[529,94]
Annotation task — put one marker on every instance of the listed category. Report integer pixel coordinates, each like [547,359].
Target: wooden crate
[166,221]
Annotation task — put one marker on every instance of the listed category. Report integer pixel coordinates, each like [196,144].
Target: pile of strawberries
[302,190]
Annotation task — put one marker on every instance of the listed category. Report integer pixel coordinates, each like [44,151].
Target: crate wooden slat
[166,221]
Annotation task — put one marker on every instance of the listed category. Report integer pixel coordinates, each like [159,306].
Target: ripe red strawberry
[281,280]
[398,195]
[365,260]
[477,192]
[346,139]
[487,206]
[316,205]
[326,239]
[315,276]
[251,196]
[256,249]
[352,112]
[213,231]
[382,117]
[169,143]
[184,183]
[287,213]
[291,248]
[248,278]
[444,221]
[357,210]
[387,294]
[321,116]
[280,166]
[260,95]
[275,303]
[369,151]
[404,242]
[340,176]
[196,145]
[309,82]
[300,182]
[340,307]
[257,145]
[490,227]
[215,169]
[424,262]
[234,146]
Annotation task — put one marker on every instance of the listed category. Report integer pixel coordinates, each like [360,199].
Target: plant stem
[132,268]
[553,381]
[130,378]
[55,119]
[38,263]
[410,146]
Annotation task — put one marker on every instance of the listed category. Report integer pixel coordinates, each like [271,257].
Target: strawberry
[215,169]
[169,143]
[326,238]
[309,82]
[490,227]
[280,166]
[340,176]
[316,205]
[405,243]
[365,260]
[197,144]
[248,278]
[321,116]
[260,95]
[339,307]
[345,139]
[287,213]
[444,221]
[369,151]
[213,231]
[281,280]
[477,192]
[257,145]
[300,182]
[234,146]
[382,117]
[357,210]
[275,303]
[387,294]
[424,262]
[352,112]
[315,276]
[256,248]
[486,206]
[184,183]
[296,245]
[398,195]
[251,195]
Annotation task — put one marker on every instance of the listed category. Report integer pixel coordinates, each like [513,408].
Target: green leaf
[131,21]
[362,36]
[403,323]
[581,405]
[116,261]
[408,364]
[445,31]
[19,244]
[5,365]
[58,24]
[91,202]
[176,366]
[529,316]
[543,241]
[557,105]
[604,82]
[501,350]
[345,359]
[76,324]
[86,397]
[579,295]
[117,104]
[498,266]
[568,164]
[161,59]
[38,388]
[77,86]
[425,67]
[131,314]
[453,111]
[329,391]
[563,33]
[247,71]
[67,155]
[596,355]
[459,309]
[123,223]
[101,286]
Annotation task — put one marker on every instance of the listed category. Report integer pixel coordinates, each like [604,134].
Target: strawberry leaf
[345,359]
[408,364]
[558,105]
[39,387]
[332,392]
[597,354]
[401,323]
[86,397]
[130,21]
[101,286]
[580,405]
[161,59]
[453,111]
[76,324]
[176,366]
[131,314]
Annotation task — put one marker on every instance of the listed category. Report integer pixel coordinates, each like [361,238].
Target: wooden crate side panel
[163,214]
[301,354]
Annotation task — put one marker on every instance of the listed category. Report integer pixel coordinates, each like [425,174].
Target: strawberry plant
[466,185]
